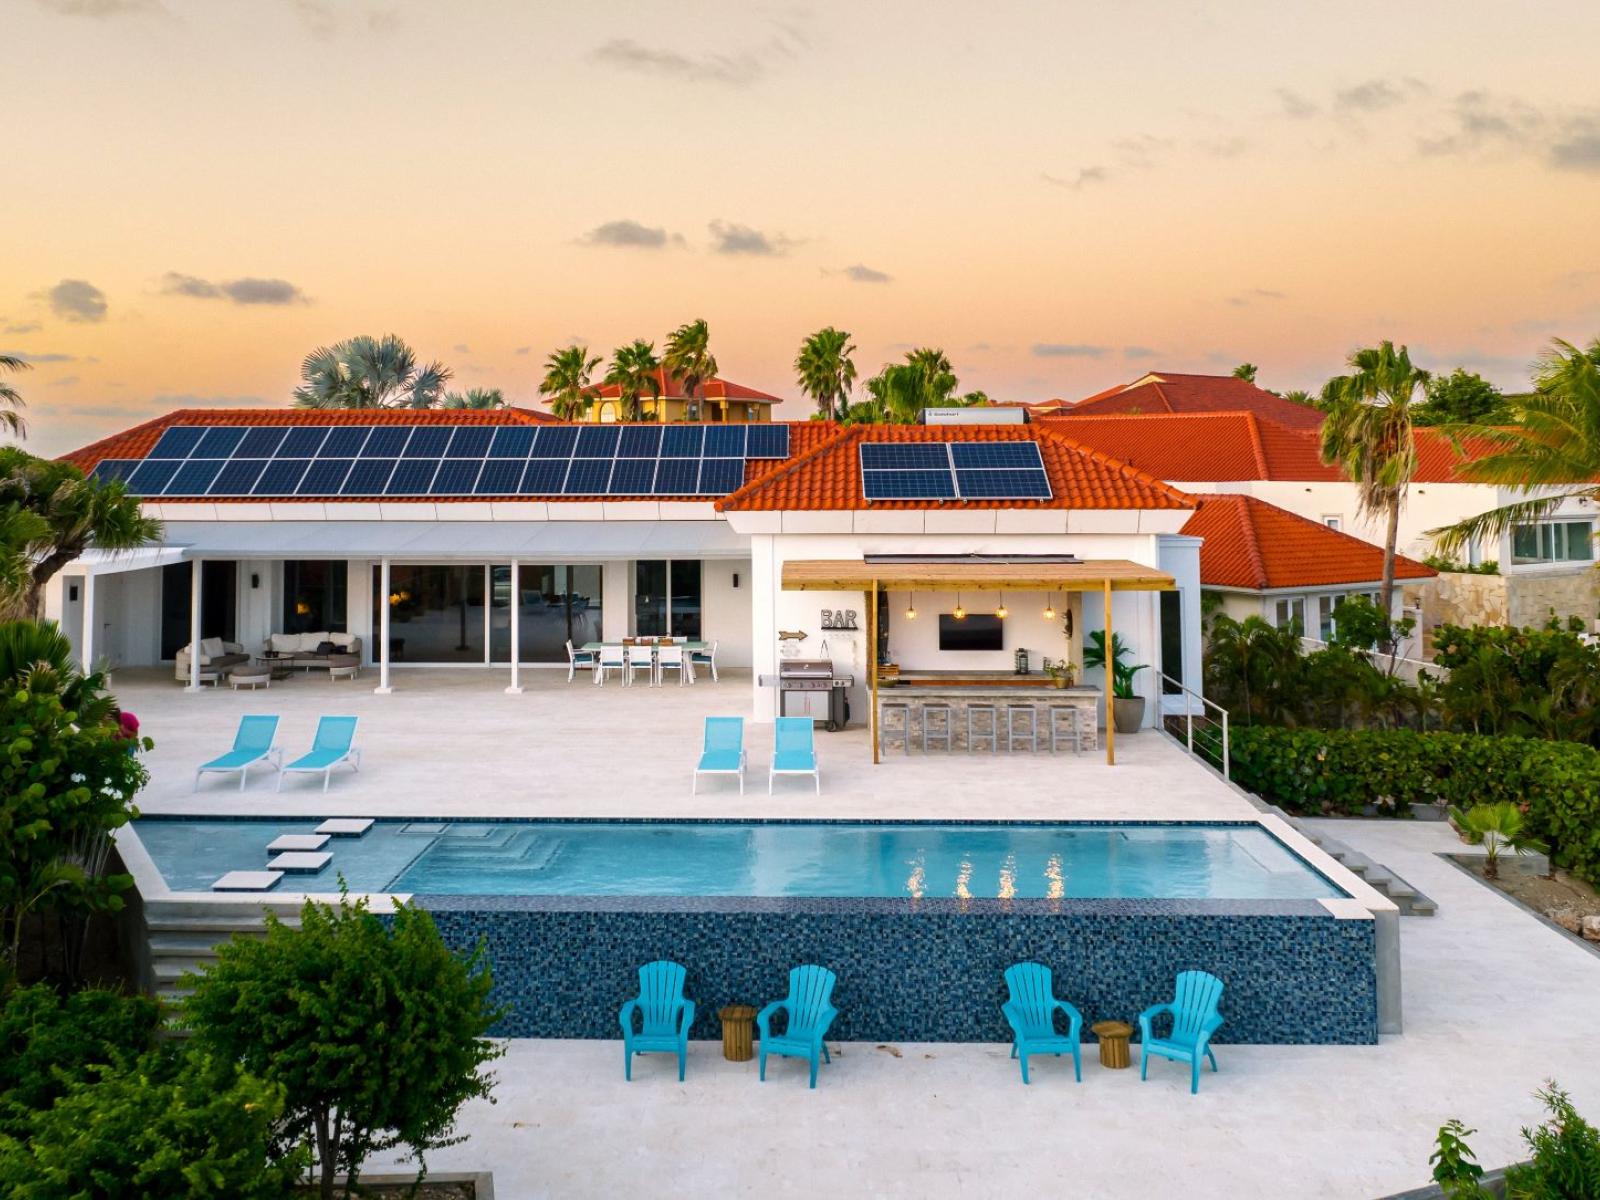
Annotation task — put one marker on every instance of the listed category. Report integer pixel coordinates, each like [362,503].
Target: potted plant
[1127,706]
[1062,674]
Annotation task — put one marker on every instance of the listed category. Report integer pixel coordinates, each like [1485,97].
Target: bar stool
[947,727]
[886,731]
[1014,713]
[1071,716]
[992,733]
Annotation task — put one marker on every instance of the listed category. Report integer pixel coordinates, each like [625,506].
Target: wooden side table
[1113,1037]
[738,1028]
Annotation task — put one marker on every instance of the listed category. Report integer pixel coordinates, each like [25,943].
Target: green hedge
[1344,770]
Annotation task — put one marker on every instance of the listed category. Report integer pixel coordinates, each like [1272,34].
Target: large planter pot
[1128,714]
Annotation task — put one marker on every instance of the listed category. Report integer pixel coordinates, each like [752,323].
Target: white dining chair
[641,658]
[576,659]
[673,658]
[611,658]
[706,658]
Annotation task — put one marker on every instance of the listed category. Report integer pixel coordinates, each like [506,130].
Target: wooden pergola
[972,573]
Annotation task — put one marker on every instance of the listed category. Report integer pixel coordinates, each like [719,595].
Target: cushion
[284,643]
[210,646]
[310,641]
[326,648]
[342,640]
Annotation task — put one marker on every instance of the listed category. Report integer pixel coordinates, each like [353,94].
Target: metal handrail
[1188,716]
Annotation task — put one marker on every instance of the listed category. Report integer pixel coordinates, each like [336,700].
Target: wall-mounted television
[975,631]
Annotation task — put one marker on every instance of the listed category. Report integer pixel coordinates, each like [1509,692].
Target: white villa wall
[725,610]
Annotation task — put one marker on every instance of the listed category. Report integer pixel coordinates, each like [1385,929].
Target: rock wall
[1568,593]
[1457,598]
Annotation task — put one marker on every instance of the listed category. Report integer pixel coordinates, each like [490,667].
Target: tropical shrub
[1495,827]
[1563,1164]
[373,1029]
[1535,682]
[1555,784]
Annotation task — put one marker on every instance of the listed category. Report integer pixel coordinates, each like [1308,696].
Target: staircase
[1410,902]
[182,936]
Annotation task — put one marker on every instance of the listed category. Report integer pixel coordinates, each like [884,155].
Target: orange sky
[1062,196]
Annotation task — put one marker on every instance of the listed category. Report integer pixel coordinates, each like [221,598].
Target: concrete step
[187,944]
[164,923]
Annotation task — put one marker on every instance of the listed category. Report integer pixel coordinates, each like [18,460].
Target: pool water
[1232,862]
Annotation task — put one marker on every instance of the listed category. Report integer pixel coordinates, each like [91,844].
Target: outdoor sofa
[311,649]
[216,656]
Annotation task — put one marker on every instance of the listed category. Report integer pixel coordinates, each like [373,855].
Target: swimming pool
[758,859]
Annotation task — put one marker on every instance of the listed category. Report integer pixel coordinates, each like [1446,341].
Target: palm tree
[73,514]
[474,398]
[367,372]
[1495,827]
[826,371]
[1552,446]
[566,381]
[1246,372]
[1368,434]
[11,401]
[633,371]
[901,391]
[688,358]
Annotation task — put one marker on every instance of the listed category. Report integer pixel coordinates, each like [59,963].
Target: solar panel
[218,443]
[281,477]
[325,477]
[152,476]
[470,441]
[555,441]
[194,477]
[719,476]
[109,470]
[632,477]
[597,441]
[411,477]
[260,443]
[368,477]
[512,441]
[588,477]
[682,441]
[766,441]
[386,441]
[724,441]
[904,456]
[237,477]
[177,442]
[457,476]
[1003,485]
[544,476]
[677,476]
[640,441]
[500,477]
[908,485]
[302,442]
[968,455]
[428,441]
[345,441]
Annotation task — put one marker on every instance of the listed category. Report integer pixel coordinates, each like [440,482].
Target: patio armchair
[809,1009]
[216,656]
[1031,1013]
[723,753]
[610,658]
[794,750]
[1194,1019]
[706,658]
[665,1016]
[252,744]
[332,746]
[576,659]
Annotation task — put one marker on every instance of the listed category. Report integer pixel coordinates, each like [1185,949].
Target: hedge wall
[1343,770]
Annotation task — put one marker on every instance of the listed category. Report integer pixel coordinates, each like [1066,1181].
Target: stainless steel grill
[808,687]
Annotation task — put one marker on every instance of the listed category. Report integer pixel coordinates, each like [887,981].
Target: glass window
[558,603]
[1171,641]
[1552,541]
[650,597]
[1290,610]
[1325,607]
[666,598]
[685,578]
[1333,522]
[314,596]
[435,613]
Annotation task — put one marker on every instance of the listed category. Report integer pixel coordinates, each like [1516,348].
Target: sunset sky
[1061,195]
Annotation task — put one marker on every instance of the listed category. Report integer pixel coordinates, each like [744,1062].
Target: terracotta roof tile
[714,389]
[1251,544]
[1172,392]
[828,477]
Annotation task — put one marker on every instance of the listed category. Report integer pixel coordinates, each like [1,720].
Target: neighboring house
[716,400]
[1173,392]
[1262,561]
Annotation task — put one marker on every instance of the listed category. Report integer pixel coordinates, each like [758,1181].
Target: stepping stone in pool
[345,826]
[247,881]
[297,841]
[300,861]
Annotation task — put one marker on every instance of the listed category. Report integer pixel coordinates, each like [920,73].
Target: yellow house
[719,401]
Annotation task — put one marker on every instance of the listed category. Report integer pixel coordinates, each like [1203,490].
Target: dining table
[689,648]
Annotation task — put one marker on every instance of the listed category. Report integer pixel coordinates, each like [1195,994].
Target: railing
[1390,664]
[1210,740]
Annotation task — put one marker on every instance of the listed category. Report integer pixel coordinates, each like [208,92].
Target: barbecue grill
[808,687]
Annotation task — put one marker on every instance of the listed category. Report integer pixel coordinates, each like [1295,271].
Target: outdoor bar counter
[960,688]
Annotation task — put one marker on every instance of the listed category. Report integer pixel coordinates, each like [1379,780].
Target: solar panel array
[448,460]
[953,471]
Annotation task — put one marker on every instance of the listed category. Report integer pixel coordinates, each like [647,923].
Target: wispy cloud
[737,68]
[1142,149]
[22,327]
[1078,180]
[1068,350]
[64,381]
[1295,105]
[39,358]
[1577,148]
[861,273]
[239,291]
[101,8]
[1139,352]
[728,237]
[327,18]
[1229,147]
[1375,95]
[1254,295]
[77,300]
[524,350]
[462,348]
[630,235]
[1482,123]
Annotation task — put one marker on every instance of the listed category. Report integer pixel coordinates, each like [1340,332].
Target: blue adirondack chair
[723,753]
[794,750]
[252,744]
[1032,1014]
[665,1017]
[1194,1019]
[332,746]
[810,1010]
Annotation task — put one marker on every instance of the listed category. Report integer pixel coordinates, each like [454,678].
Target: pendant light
[911,607]
[1049,607]
[1001,611]
[960,613]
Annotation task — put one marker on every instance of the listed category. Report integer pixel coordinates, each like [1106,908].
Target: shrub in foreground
[1564,1162]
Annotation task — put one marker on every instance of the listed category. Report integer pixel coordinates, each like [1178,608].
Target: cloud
[100,8]
[326,18]
[22,327]
[523,350]
[1375,95]
[1136,352]
[630,235]
[1295,105]
[861,273]
[1251,295]
[738,69]
[979,348]
[1068,350]
[77,300]
[730,238]
[1076,183]
[1483,123]
[39,358]
[240,291]
[1225,147]
[64,381]
[1578,146]
[462,348]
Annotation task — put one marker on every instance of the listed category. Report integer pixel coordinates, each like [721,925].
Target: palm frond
[1490,526]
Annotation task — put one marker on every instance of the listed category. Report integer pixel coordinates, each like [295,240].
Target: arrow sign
[791,635]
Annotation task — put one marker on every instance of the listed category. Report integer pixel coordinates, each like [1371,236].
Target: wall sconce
[255,580]
[736,580]
[72,593]
[911,607]
[1001,611]
[960,613]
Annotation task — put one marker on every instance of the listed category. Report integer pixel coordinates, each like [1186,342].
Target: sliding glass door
[436,613]
[667,597]
[557,603]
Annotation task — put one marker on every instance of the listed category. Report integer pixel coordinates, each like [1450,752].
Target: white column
[516,631]
[194,626]
[86,646]
[383,688]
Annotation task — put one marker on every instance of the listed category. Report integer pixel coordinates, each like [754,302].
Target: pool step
[1407,898]
[183,935]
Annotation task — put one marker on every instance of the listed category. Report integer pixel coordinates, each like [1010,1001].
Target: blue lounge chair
[665,1017]
[810,1012]
[794,750]
[251,744]
[1194,1019]
[329,749]
[1031,1012]
[723,753]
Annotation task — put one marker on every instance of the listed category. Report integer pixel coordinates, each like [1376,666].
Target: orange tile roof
[1172,392]
[712,389]
[1251,544]
[828,477]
